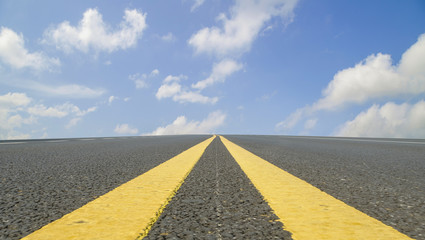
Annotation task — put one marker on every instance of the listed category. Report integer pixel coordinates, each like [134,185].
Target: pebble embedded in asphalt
[217,201]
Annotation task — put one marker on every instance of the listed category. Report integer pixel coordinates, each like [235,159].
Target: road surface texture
[40,181]
[217,201]
[383,178]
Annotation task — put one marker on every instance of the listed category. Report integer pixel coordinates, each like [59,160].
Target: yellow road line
[306,211]
[128,211]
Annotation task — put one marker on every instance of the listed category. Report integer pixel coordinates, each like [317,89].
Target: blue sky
[294,67]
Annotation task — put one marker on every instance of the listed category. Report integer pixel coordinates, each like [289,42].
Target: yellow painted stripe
[128,211]
[306,211]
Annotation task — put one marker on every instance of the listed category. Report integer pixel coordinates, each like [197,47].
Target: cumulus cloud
[14,99]
[125,129]
[182,126]
[17,109]
[241,27]
[92,33]
[171,88]
[14,53]
[219,73]
[390,120]
[374,78]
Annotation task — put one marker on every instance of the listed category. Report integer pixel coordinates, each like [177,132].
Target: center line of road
[306,211]
[128,211]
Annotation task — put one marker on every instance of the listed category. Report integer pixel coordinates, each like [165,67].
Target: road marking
[128,211]
[86,139]
[306,211]
[359,140]
[5,143]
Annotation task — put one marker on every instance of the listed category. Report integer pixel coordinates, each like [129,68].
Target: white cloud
[171,78]
[196,4]
[14,53]
[73,122]
[194,97]
[111,99]
[14,99]
[17,109]
[390,120]
[182,126]
[374,78]
[140,79]
[168,90]
[126,99]
[16,136]
[310,123]
[92,33]
[67,91]
[41,110]
[219,73]
[168,37]
[154,73]
[125,129]
[171,88]
[241,28]
[58,111]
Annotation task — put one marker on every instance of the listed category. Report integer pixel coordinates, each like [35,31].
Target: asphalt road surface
[384,178]
[40,181]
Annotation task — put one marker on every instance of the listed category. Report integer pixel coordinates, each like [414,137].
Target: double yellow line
[129,211]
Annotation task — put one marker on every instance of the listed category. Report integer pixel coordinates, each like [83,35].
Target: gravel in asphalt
[384,180]
[217,201]
[41,181]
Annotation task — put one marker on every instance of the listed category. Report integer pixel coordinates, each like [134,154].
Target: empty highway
[203,187]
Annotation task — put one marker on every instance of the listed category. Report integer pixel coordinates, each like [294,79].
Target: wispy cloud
[219,73]
[125,129]
[196,4]
[65,91]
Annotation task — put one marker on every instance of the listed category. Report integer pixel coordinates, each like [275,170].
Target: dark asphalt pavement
[384,178]
[217,201]
[42,180]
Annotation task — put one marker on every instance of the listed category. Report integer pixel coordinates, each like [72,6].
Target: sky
[142,67]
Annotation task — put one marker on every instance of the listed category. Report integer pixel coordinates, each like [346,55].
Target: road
[43,180]
[384,178]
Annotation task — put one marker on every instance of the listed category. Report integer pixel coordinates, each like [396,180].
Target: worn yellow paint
[128,211]
[306,211]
